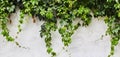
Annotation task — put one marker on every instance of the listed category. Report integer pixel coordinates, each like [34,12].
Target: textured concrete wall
[86,41]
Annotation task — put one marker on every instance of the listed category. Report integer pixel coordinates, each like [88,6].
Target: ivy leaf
[53,53]
[112,50]
[74,12]
[21,21]
[9,38]
[42,12]
[109,0]
[62,30]
[114,42]
[34,2]
[81,10]
[66,43]
[4,33]
[49,15]
[86,10]
[10,9]
[118,14]
[49,50]
[117,6]
[76,26]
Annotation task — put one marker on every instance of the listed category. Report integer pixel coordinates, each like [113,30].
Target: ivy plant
[66,11]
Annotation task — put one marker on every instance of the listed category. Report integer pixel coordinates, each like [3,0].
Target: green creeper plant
[66,11]
[5,9]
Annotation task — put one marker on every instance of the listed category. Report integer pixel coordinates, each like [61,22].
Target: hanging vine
[5,9]
[66,11]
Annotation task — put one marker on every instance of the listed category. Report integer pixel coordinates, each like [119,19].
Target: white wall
[86,41]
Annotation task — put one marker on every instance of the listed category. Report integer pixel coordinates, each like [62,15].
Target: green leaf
[9,38]
[114,42]
[53,54]
[81,10]
[118,14]
[42,12]
[117,6]
[62,30]
[49,15]
[49,50]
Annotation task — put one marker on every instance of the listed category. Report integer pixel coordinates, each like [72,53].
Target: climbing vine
[66,11]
